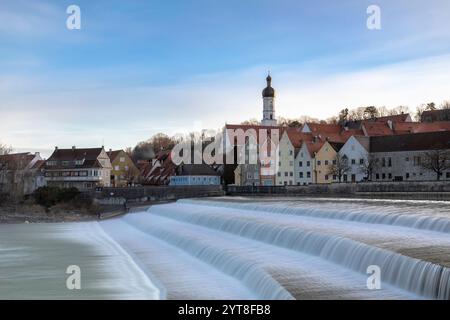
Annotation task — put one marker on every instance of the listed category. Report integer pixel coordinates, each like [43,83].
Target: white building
[356,150]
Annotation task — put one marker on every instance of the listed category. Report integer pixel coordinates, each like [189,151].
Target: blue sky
[139,67]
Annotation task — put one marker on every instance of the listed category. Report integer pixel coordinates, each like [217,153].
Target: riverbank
[18,213]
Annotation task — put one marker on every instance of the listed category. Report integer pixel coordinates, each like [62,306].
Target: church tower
[268,104]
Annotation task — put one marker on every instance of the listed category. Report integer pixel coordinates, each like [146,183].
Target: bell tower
[268,95]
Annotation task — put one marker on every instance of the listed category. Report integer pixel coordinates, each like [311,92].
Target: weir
[438,224]
[247,272]
[420,277]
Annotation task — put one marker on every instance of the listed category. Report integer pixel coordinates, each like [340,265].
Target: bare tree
[369,166]
[437,161]
[4,149]
[339,166]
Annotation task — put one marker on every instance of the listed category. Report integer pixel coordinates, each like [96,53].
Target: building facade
[194,175]
[21,173]
[402,157]
[123,170]
[79,168]
[356,151]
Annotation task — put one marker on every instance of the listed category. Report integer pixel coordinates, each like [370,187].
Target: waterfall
[417,276]
[438,224]
[254,277]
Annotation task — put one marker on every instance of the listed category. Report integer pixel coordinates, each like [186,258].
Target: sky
[136,68]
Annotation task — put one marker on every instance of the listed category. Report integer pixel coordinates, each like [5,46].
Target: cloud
[123,116]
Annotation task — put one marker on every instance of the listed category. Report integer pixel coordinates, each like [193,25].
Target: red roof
[419,127]
[377,129]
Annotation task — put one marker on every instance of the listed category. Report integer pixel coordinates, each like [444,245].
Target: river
[237,248]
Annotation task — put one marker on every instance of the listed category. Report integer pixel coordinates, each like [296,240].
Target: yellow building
[324,158]
[124,172]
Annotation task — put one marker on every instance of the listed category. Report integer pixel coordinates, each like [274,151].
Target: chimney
[56,148]
[37,154]
[73,147]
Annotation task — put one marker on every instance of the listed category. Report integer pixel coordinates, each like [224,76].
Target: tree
[146,150]
[437,161]
[339,166]
[369,166]
[250,122]
[370,112]
[4,149]
[343,115]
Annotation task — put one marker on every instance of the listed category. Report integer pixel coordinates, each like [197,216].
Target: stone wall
[117,196]
[438,190]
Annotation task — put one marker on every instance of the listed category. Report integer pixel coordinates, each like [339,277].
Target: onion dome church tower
[269,104]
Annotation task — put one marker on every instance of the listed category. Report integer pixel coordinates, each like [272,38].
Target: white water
[245,249]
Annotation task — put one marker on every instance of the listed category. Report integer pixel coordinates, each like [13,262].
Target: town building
[21,173]
[403,157]
[356,151]
[194,175]
[123,170]
[435,115]
[80,168]
[324,158]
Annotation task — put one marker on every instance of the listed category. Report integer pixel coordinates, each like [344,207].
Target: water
[237,249]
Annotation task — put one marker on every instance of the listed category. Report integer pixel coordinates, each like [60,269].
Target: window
[390,175]
[291,174]
[383,163]
[390,162]
[117,168]
[318,162]
[291,152]
[249,175]
[127,168]
[308,174]
[383,176]
[326,162]
[326,177]
[334,162]
[122,159]
[308,163]
[300,174]
[361,161]
[301,154]
[334,177]
[447,175]
[353,161]
[285,183]
[291,163]
[65,163]
[279,174]
[300,164]
[407,159]
[407,175]
[286,174]
[377,176]
[51,163]
[417,161]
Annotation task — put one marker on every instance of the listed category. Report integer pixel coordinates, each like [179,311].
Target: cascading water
[421,277]
[431,223]
[253,277]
